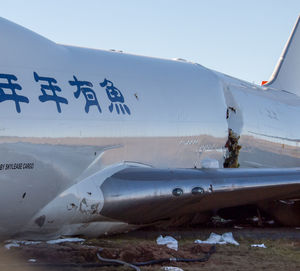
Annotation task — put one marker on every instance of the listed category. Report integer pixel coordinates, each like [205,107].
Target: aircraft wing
[146,195]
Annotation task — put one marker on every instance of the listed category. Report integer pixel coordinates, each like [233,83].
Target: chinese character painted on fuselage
[84,87]
[12,87]
[49,86]
[116,97]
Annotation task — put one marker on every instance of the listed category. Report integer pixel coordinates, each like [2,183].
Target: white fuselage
[172,114]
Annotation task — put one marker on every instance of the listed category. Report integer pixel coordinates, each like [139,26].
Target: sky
[241,38]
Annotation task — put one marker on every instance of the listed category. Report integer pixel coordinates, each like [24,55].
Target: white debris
[238,227]
[32,260]
[212,239]
[218,219]
[171,268]
[210,163]
[58,241]
[271,222]
[228,238]
[17,243]
[8,246]
[259,245]
[169,241]
[26,243]
[225,238]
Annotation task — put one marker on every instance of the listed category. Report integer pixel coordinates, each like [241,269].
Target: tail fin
[286,75]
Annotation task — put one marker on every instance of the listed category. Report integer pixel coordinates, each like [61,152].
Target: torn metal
[231,160]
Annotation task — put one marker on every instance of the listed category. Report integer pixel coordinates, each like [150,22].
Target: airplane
[96,142]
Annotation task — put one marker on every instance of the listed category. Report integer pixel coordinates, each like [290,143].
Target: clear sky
[242,38]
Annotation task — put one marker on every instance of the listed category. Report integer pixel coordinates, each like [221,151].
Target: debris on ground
[213,239]
[169,241]
[259,245]
[12,244]
[217,220]
[282,253]
[17,243]
[238,227]
[64,240]
[171,268]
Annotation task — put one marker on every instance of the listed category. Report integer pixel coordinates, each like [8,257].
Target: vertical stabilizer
[286,75]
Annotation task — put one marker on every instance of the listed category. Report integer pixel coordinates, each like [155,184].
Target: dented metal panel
[265,122]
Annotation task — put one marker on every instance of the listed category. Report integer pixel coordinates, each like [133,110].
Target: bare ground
[282,252]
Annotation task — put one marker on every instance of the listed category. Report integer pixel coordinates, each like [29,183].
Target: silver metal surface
[135,191]
[53,164]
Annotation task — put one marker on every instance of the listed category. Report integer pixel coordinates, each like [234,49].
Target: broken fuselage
[68,113]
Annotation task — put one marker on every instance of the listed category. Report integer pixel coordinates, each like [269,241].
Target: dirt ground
[282,252]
